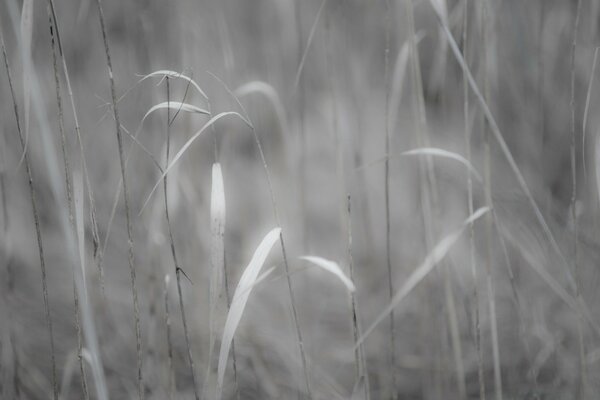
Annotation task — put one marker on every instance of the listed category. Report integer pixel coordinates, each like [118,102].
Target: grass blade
[332,267]
[187,145]
[240,298]
[432,151]
[432,259]
[177,106]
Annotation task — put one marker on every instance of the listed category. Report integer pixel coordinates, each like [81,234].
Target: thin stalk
[171,372]
[69,193]
[359,351]
[388,256]
[93,219]
[476,311]
[233,356]
[136,309]
[173,253]
[489,220]
[36,220]
[573,206]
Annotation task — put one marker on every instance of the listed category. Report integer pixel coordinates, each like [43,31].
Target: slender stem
[388,257]
[573,206]
[36,220]
[69,193]
[136,309]
[485,21]
[476,311]
[173,253]
[359,352]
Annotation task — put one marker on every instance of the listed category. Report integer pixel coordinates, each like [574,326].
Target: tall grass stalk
[92,207]
[388,256]
[136,308]
[69,196]
[475,302]
[489,221]
[36,218]
[172,244]
[573,206]
[362,373]
[170,371]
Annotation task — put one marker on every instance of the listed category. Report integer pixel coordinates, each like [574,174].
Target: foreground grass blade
[332,267]
[431,261]
[240,298]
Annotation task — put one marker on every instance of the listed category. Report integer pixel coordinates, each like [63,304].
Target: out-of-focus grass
[319,112]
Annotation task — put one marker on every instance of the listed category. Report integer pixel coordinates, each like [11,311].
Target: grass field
[319,199]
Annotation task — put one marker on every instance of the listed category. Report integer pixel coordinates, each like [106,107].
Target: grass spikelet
[331,267]
[240,298]
[217,305]
[431,261]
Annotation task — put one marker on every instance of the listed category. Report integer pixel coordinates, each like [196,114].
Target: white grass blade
[332,267]
[187,145]
[432,151]
[26,37]
[240,298]
[177,106]
[431,261]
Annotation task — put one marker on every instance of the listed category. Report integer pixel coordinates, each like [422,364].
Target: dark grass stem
[388,256]
[136,309]
[173,253]
[69,195]
[36,220]
[476,326]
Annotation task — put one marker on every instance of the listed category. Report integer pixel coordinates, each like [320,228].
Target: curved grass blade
[332,267]
[431,261]
[240,298]
[187,145]
[432,151]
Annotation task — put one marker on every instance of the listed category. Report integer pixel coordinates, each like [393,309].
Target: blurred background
[335,90]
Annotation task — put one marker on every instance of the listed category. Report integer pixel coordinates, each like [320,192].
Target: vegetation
[317,199]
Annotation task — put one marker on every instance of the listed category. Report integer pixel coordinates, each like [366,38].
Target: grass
[464,132]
